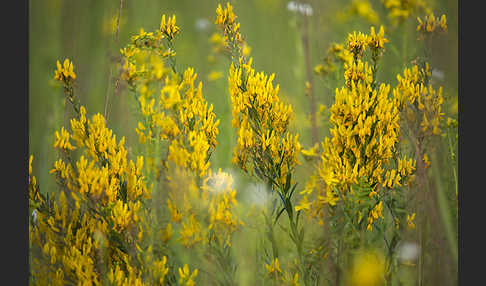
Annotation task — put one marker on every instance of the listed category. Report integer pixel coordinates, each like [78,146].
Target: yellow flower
[356,43]
[364,9]
[426,160]
[215,75]
[186,278]
[377,41]
[246,50]
[191,232]
[121,216]
[62,141]
[311,152]
[399,11]
[274,267]
[169,28]
[259,99]
[226,16]
[368,269]
[30,164]
[410,221]
[432,23]
[303,205]
[65,73]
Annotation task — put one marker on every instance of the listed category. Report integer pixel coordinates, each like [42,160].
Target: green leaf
[278,215]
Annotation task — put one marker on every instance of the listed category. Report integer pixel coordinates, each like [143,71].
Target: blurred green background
[83,31]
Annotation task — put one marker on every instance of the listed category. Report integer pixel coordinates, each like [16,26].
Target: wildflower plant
[360,175]
[177,121]
[266,149]
[89,232]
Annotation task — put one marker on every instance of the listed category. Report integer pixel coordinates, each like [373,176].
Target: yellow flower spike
[431,24]
[274,267]
[65,73]
[426,160]
[31,158]
[420,25]
[121,216]
[443,22]
[356,43]
[65,69]
[377,41]
[62,140]
[169,28]
[185,276]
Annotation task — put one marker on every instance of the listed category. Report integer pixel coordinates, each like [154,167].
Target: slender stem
[107,96]
[453,167]
[308,68]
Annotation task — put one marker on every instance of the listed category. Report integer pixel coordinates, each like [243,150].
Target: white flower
[438,74]
[303,8]
[258,194]
[220,182]
[34,215]
[202,24]
[408,251]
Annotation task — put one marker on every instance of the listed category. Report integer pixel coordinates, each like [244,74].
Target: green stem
[453,167]
[404,46]
[444,212]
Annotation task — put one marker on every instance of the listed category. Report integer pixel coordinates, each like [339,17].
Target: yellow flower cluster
[172,105]
[262,121]
[218,44]
[101,177]
[357,71]
[419,101]
[311,152]
[400,10]
[275,273]
[62,141]
[363,9]
[190,124]
[273,267]
[377,41]
[365,134]
[147,40]
[144,56]
[186,204]
[65,73]
[336,52]
[357,43]
[374,214]
[169,28]
[99,202]
[204,214]
[226,20]
[175,115]
[33,188]
[432,24]
[222,217]
[186,278]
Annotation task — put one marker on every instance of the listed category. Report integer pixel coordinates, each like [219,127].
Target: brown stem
[308,68]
